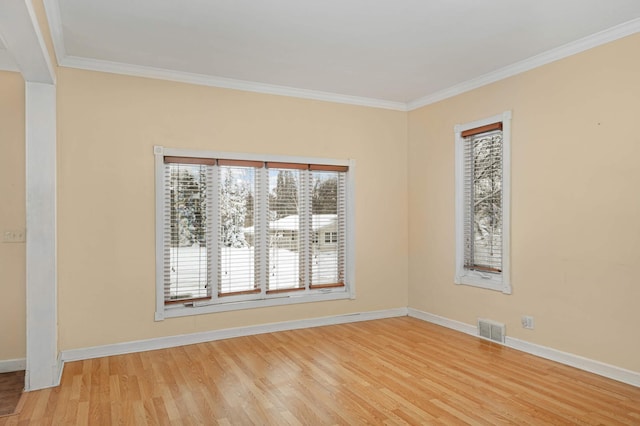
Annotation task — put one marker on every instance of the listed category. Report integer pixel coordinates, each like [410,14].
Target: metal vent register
[491,330]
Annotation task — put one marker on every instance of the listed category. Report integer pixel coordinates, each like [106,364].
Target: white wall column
[43,365]
[25,44]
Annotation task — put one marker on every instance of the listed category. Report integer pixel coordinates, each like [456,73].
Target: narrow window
[285,227]
[187,275]
[328,217]
[236,257]
[482,203]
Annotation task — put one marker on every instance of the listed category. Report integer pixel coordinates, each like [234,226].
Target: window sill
[486,281]
[175,311]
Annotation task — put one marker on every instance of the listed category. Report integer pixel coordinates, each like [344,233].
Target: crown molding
[569,49]
[225,83]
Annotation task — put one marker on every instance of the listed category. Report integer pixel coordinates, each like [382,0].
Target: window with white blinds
[483,198]
[238,256]
[186,225]
[327,254]
[234,230]
[482,203]
[286,226]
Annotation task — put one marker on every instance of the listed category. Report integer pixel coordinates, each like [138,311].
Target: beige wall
[12,216]
[108,125]
[575,205]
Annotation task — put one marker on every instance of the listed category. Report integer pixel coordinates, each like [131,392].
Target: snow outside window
[238,232]
[482,203]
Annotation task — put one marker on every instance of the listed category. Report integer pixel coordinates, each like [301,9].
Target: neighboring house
[284,232]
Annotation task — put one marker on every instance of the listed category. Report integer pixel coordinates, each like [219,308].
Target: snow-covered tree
[234,194]
[325,196]
[188,197]
[283,199]
[487,190]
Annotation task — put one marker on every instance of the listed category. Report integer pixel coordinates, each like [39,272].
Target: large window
[238,231]
[482,203]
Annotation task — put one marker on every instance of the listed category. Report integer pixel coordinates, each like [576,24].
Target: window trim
[492,281]
[164,311]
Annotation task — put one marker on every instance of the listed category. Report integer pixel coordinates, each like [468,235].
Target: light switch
[15,236]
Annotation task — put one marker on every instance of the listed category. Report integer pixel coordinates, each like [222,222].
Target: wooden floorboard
[11,386]
[391,371]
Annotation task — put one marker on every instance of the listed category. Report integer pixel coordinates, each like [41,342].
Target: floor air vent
[491,330]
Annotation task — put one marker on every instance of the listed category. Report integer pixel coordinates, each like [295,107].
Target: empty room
[318,213]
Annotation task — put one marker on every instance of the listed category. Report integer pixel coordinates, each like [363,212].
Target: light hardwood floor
[392,371]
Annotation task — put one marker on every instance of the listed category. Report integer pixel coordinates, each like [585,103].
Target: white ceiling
[395,52]
[6,60]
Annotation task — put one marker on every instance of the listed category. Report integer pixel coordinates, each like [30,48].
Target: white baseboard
[10,365]
[208,336]
[445,322]
[577,361]
[59,369]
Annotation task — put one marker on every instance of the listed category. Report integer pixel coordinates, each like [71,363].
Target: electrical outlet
[527,322]
[16,236]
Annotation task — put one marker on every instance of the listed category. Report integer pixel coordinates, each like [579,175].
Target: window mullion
[167,230]
[342,224]
[262,231]
[213,222]
[306,225]
[469,200]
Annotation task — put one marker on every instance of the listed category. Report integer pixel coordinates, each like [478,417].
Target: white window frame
[492,281]
[164,311]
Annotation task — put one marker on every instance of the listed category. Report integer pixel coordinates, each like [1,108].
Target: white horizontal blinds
[328,226]
[483,198]
[188,183]
[285,232]
[238,227]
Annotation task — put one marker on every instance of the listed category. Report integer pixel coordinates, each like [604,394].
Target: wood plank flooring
[391,371]
[11,386]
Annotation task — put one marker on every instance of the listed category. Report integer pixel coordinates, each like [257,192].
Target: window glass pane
[236,230]
[485,204]
[188,272]
[284,229]
[327,221]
